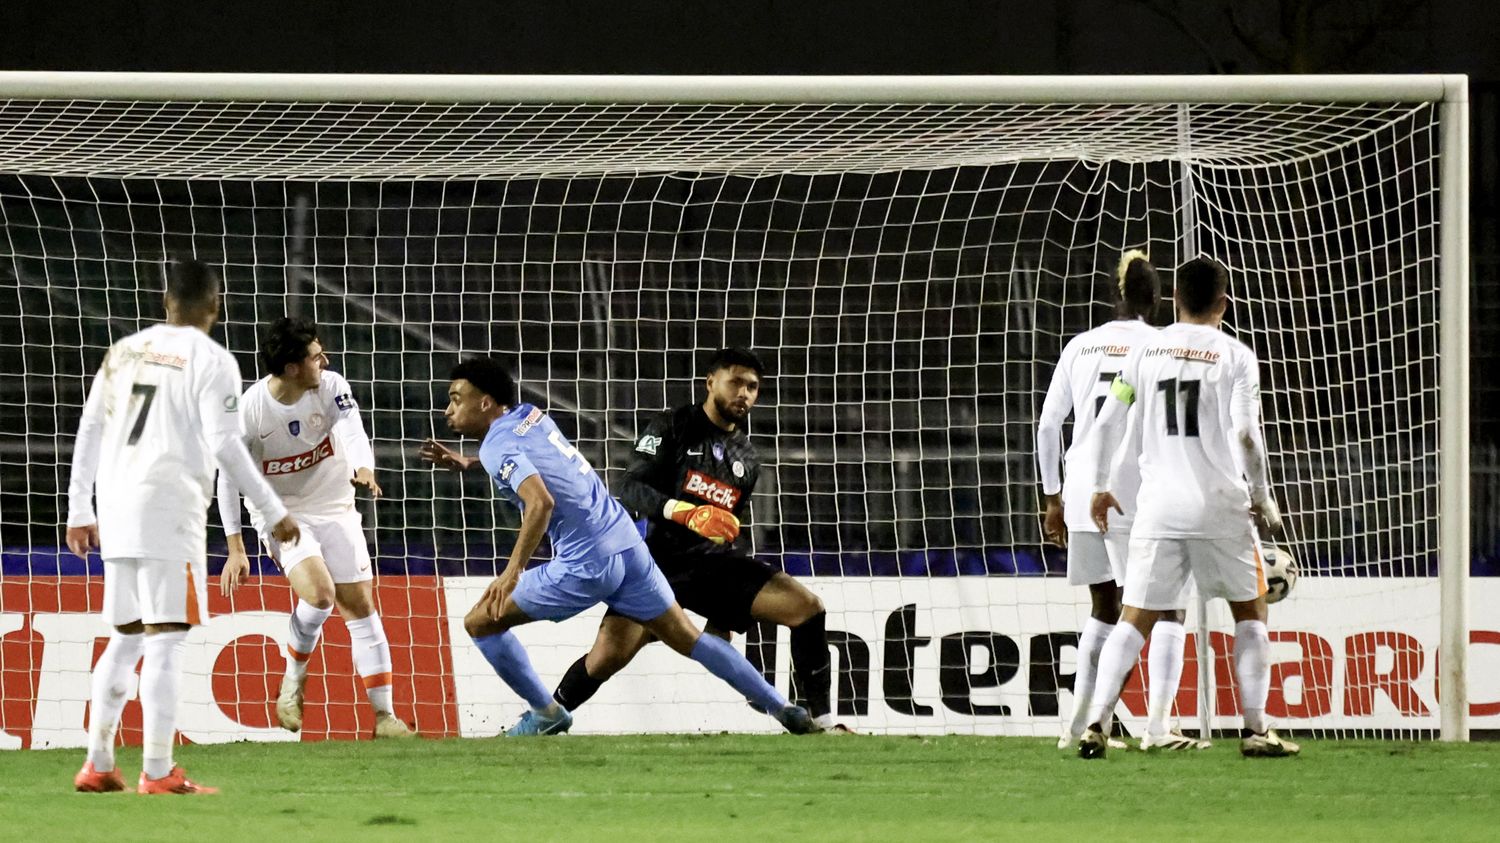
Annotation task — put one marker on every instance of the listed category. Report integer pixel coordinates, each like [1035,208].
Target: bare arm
[536,514]
[442,456]
[535,517]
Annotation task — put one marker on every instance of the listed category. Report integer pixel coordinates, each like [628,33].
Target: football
[1281,572]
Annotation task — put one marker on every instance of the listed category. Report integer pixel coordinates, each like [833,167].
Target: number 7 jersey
[1080,385]
[162,394]
[1195,391]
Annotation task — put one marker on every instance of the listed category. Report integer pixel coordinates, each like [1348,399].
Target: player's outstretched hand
[1054,529]
[365,477]
[286,531]
[1267,516]
[83,539]
[716,524]
[1099,509]
[236,570]
[442,456]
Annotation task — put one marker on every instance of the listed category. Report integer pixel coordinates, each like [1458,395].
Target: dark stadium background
[871,37]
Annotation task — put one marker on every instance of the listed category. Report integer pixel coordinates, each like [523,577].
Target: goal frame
[1448,93]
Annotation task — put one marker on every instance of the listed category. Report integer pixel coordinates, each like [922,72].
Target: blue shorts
[628,582]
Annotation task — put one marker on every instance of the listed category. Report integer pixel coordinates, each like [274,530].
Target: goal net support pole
[1453,385]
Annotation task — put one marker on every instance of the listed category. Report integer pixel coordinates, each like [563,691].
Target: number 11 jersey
[1195,390]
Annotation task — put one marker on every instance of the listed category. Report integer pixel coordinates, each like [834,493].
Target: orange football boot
[90,780]
[173,782]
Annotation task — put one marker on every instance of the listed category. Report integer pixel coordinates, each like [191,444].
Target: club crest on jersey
[714,491]
[294,427]
[718,450]
[298,462]
[648,444]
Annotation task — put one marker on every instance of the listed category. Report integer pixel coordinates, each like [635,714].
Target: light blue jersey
[588,524]
[597,557]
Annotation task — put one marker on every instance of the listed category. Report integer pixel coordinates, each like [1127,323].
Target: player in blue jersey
[598,555]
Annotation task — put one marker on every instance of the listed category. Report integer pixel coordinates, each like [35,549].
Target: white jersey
[1196,392]
[307,450]
[163,408]
[1080,383]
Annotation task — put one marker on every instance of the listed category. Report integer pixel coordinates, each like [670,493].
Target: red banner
[51,634]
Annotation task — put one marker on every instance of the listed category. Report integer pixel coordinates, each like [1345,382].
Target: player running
[697,460]
[302,425]
[1087,367]
[598,556]
[1187,405]
[162,412]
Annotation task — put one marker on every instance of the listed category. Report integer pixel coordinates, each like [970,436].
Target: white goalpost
[908,253]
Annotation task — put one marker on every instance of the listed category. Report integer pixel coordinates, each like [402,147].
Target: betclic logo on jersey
[301,462]
[715,492]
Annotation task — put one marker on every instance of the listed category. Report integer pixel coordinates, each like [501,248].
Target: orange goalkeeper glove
[714,523]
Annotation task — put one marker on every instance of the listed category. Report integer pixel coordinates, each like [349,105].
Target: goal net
[909,266]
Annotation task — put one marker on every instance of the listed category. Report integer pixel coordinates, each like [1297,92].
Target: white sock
[302,636]
[1121,651]
[1090,643]
[111,688]
[1164,670]
[161,679]
[1252,669]
[372,658]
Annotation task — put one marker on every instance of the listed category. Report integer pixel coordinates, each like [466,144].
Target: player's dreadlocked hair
[1200,283]
[736,356]
[1140,286]
[286,342]
[489,376]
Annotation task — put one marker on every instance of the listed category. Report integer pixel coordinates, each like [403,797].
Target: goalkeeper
[692,480]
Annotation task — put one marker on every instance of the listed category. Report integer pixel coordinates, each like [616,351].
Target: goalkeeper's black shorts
[719,586]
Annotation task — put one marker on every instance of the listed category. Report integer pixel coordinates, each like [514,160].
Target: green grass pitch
[717,788]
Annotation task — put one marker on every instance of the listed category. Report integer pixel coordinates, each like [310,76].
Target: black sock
[576,687]
[811,663]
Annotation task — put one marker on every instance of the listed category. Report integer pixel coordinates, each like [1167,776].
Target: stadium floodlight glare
[909,253]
